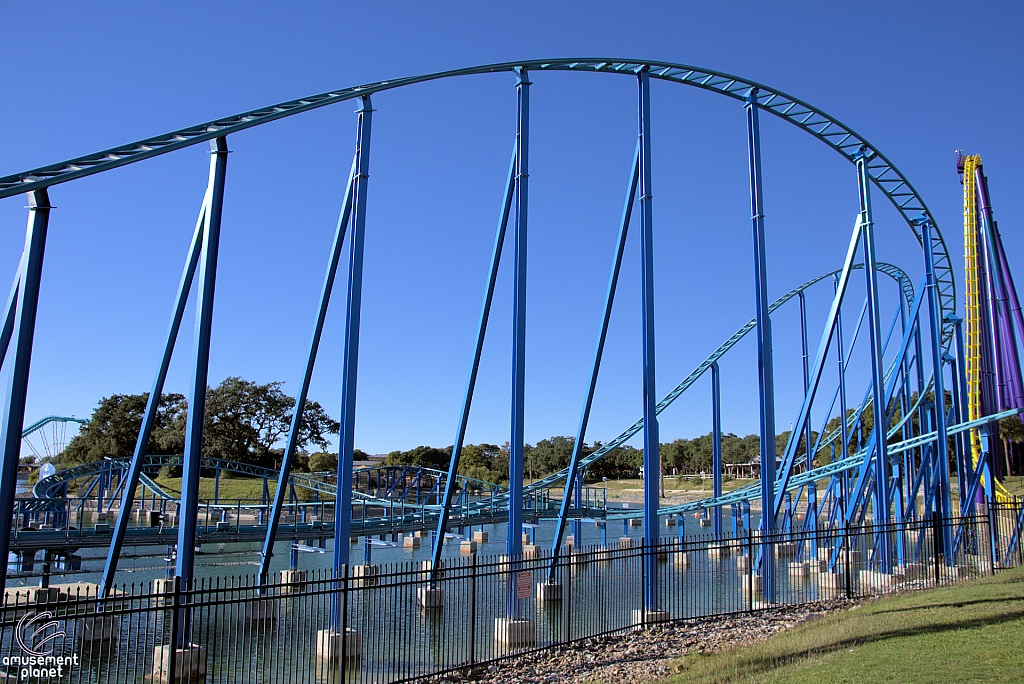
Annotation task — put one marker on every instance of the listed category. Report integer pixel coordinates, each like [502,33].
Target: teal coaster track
[895,475]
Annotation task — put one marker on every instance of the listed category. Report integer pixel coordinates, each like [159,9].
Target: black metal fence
[391,624]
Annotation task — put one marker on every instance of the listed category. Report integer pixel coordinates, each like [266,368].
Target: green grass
[972,632]
[231,489]
[673,483]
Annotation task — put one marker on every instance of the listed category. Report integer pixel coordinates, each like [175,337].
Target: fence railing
[393,623]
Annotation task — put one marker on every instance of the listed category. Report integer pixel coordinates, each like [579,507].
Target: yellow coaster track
[972,307]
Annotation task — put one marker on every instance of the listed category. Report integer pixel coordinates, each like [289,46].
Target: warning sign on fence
[524,583]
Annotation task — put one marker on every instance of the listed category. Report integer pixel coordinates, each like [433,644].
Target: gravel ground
[644,655]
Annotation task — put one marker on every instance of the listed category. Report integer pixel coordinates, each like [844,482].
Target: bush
[697,480]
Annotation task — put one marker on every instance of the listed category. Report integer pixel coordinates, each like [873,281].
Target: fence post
[472,612]
[343,628]
[172,650]
[993,536]
[750,569]
[567,596]
[847,568]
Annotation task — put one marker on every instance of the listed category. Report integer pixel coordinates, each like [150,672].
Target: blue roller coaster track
[915,363]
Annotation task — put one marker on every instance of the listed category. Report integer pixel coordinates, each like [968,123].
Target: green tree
[323,461]
[422,456]
[113,429]
[245,420]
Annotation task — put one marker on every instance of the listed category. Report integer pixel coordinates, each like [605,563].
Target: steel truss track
[840,137]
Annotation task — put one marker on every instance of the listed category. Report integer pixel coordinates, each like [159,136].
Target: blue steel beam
[10,315]
[31,270]
[935,333]
[467,400]
[788,458]
[573,480]
[300,401]
[185,562]
[350,367]
[765,380]
[716,443]
[153,402]
[514,541]
[812,491]
[877,369]
[652,457]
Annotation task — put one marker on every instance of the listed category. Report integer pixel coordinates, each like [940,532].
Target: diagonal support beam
[185,564]
[343,504]
[288,457]
[467,400]
[153,403]
[23,334]
[581,432]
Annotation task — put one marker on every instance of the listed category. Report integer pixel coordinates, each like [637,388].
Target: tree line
[246,422]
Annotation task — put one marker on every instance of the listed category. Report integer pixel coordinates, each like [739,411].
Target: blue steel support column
[843,429]
[17,382]
[200,371]
[716,444]
[881,465]
[467,400]
[935,332]
[153,403]
[652,458]
[963,449]
[765,374]
[514,544]
[812,488]
[300,401]
[573,479]
[343,504]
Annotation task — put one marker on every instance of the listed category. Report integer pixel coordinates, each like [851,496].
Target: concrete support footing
[818,566]
[756,584]
[514,632]
[643,617]
[162,590]
[831,584]
[785,550]
[262,610]
[705,522]
[189,663]
[625,542]
[636,522]
[547,592]
[742,562]
[99,628]
[799,570]
[480,536]
[531,551]
[719,551]
[467,547]
[329,644]
[364,575]
[681,560]
[427,566]
[293,581]
[874,580]
[411,542]
[430,597]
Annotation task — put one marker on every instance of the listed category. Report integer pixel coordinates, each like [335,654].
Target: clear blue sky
[917,79]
